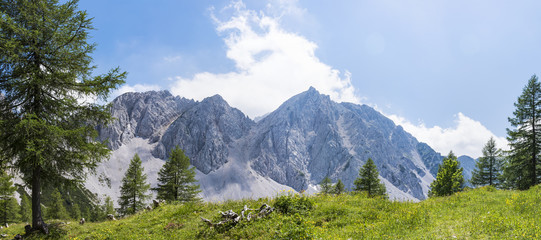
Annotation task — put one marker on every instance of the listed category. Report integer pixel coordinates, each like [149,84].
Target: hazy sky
[448,71]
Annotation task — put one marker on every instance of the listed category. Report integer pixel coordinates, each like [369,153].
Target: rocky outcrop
[305,139]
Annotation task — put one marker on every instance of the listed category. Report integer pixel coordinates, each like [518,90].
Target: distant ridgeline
[296,146]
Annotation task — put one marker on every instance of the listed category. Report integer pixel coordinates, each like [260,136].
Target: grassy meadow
[483,213]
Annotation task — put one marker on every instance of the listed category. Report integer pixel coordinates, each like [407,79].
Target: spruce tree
[326,185]
[75,211]
[26,207]
[133,192]
[523,168]
[108,206]
[488,168]
[57,210]
[368,180]
[339,187]
[8,211]
[449,179]
[176,180]
[46,132]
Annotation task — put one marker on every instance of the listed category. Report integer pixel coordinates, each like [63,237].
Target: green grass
[483,213]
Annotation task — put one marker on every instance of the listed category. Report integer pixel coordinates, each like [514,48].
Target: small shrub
[294,227]
[291,203]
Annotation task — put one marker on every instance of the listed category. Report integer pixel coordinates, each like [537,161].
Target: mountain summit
[306,139]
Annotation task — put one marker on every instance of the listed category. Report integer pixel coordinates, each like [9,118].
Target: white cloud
[467,137]
[135,88]
[271,65]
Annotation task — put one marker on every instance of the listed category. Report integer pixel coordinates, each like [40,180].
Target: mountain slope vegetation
[484,213]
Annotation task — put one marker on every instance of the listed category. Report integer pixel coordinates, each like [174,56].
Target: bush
[292,203]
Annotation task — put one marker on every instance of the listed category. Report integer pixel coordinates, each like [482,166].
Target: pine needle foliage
[368,180]
[523,169]
[133,192]
[176,180]
[489,167]
[449,179]
[326,185]
[8,204]
[47,129]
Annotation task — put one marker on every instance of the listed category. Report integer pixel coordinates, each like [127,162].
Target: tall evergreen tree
[108,206]
[339,187]
[46,132]
[133,192]
[176,180]
[326,185]
[26,207]
[57,210]
[75,211]
[8,211]
[524,168]
[368,180]
[449,179]
[488,168]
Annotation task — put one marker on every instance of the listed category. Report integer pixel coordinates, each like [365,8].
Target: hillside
[482,213]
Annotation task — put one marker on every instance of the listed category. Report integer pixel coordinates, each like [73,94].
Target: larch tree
[449,178]
[368,180]
[8,205]
[339,187]
[523,168]
[488,168]
[47,131]
[176,180]
[326,185]
[25,211]
[133,192]
[57,210]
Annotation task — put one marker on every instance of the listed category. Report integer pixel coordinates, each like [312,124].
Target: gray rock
[307,138]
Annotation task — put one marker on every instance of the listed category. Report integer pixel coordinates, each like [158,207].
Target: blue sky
[448,71]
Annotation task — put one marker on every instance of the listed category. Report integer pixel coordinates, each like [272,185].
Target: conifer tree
[8,210]
[26,207]
[46,132]
[75,211]
[326,185]
[108,206]
[524,167]
[133,192]
[368,180]
[176,180]
[449,179]
[488,168]
[57,210]
[339,187]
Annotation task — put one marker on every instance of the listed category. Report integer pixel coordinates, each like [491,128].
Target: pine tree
[176,180]
[339,187]
[326,185]
[523,168]
[133,192]
[488,168]
[449,179]
[25,211]
[8,211]
[368,180]
[57,210]
[46,132]
[108,206]
[75,211]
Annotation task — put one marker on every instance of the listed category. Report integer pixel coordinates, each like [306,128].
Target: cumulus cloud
[271,64]
[467,137]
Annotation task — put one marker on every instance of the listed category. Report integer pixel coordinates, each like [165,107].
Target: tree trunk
[37,220]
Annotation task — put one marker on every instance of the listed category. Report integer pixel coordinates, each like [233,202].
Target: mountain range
[308,138]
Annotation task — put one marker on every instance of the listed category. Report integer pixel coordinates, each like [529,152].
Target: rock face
[307,138]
